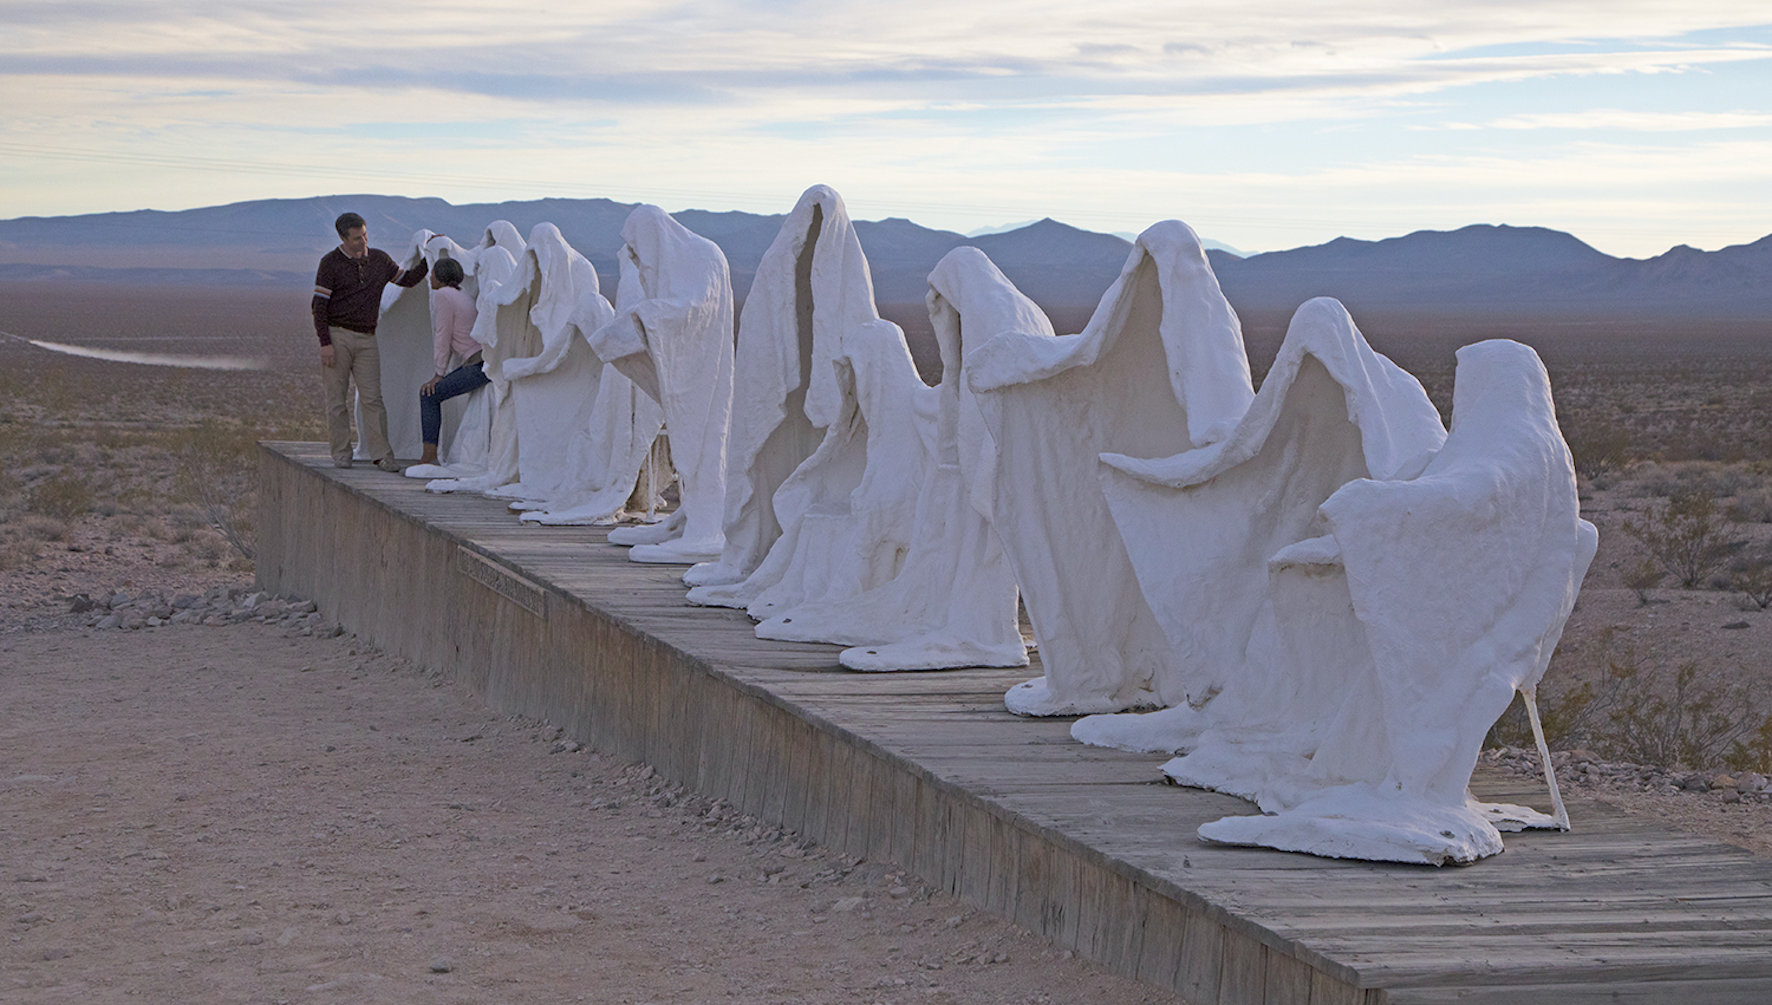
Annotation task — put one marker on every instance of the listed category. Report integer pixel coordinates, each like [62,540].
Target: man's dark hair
[448,272]
[346,223]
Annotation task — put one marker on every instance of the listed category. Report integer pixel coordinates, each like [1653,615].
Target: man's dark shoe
[337,463]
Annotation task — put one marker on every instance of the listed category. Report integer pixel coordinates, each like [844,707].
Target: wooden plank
[1201,966]
[1243,981]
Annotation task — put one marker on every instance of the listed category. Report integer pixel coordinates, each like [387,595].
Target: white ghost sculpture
[554,392]
[1388,645]
[501,273]
[403,343]
[672,336]
[849,510]
[1200,526]
[954,602]
[811,285]
[1160,368]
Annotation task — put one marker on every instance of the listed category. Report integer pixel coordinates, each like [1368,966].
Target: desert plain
[251,805]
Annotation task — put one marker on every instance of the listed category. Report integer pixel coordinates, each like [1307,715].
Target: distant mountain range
[1476,270]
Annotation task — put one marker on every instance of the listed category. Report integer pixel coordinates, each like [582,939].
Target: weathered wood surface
[927,769]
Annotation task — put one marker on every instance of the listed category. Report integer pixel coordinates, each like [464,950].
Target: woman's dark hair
[448,272]
[346,223]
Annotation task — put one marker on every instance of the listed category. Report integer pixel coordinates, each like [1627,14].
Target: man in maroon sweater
[347,303]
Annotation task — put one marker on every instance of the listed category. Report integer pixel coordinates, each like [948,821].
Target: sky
[1266,124]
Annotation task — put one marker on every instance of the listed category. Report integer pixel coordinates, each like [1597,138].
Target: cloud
[1635,121]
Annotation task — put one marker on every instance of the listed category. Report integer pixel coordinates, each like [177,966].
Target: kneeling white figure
[953,604]
[1388,644]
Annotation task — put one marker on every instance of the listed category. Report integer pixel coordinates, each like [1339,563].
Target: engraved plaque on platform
[502,581]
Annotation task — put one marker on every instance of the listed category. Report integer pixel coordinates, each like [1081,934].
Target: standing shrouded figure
[1386,644]
[953,603]
[811,286]
[673,338]
[1159,368]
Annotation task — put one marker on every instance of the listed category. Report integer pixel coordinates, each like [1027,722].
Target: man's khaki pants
[355,355]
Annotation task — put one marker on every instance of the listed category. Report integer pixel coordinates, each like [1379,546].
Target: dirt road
[203,814]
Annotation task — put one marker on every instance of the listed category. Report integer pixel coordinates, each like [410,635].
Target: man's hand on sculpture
[326,356]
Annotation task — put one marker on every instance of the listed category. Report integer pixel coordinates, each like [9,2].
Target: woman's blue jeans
[460,380]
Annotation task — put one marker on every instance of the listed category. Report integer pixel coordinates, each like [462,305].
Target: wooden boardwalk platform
[927,770]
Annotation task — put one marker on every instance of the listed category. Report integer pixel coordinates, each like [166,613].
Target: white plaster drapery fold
[810,286]
[1395,625]
[953,604]
[673,338]
[1159,368]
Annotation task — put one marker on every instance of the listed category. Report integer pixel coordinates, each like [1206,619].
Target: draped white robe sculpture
[1199,527]
[811,285]
[1159,368]
[554,392]
[954,602]
[403,343]
[490,457]
[673,338]
[1388,644]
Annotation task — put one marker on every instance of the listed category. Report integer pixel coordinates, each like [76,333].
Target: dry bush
[1753,506]
[218,471]
[1752,575]
[1649,717]
[1643,577]
[44,528]
[1686,537]
[1598,449]
[16,553]
[66,496]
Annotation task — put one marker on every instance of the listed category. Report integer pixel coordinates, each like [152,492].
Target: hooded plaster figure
[403,341]
[484,451]
[554,390]
[1200,526]
[673,339]
[954,602]
[849,510]
[610,449]
[1160,368]
[1388,644]
[811,285]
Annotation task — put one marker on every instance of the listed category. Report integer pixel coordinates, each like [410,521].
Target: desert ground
[233,800]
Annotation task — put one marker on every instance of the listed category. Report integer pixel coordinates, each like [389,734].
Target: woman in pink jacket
[452,318]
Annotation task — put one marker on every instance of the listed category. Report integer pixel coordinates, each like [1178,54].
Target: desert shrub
[45,528]
[14,554]
[1643,577]
[1752,575]
[1686,537]
[1598,449]
[1697,726]
[1646,717]
[65,496]
[218,470]
[1754,506]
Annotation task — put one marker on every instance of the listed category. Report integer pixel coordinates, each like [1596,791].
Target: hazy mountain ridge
[1480,268]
